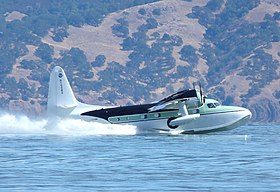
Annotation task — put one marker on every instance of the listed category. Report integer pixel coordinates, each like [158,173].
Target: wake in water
[21,124]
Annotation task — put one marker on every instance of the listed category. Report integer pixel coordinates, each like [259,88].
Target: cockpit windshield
[213,105]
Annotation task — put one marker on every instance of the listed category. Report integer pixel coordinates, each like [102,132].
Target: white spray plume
[21,124]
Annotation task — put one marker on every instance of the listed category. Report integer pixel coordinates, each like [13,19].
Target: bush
[188,53]
[25,64]
[59,34]
[99,61]
[121,29]
[157,12]
[142,11]
[45,52]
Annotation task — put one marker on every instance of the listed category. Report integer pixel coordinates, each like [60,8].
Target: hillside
[141,51]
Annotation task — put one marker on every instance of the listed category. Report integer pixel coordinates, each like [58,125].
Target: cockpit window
[211,105]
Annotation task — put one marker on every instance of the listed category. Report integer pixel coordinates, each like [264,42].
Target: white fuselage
[186,111]
[225,118]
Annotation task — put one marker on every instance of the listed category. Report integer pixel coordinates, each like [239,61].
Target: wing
[190,97]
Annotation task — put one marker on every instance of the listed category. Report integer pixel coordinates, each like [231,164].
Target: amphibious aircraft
[187,111]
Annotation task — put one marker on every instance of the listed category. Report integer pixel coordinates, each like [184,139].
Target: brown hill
[172,20]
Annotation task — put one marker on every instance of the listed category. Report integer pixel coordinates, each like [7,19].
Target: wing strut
[182,109]
[185,117]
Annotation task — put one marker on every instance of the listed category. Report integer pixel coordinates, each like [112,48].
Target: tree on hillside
[99,61]
[188,53]
[45,52]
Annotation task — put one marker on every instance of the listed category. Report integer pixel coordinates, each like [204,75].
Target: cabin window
[211,105]
[143,116]
[157,115]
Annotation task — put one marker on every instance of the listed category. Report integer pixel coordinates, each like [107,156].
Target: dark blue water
[245,159]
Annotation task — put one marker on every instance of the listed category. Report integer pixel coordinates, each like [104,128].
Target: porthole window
[143,116]
[157,114]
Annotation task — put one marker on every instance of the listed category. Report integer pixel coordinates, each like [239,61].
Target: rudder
[61,99]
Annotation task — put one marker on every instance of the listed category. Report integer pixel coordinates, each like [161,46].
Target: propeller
[202,98]
[201,95]
[200,89]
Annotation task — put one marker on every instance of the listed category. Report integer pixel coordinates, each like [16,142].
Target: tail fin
[61,99]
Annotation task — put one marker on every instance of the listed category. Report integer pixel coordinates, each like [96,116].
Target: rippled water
[77,156]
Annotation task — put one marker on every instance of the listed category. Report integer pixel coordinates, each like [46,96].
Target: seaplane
[187,111]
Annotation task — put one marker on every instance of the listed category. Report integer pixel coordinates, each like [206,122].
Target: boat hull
[206,123]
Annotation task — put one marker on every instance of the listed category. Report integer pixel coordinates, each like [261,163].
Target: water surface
[81,158]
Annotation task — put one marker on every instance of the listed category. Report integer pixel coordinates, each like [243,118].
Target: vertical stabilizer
[61,99]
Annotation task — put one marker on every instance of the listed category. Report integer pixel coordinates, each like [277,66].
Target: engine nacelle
[184,120]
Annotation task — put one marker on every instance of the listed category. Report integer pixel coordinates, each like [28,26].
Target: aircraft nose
[247,113]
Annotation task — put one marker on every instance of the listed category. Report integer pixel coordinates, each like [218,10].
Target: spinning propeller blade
[201,95]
